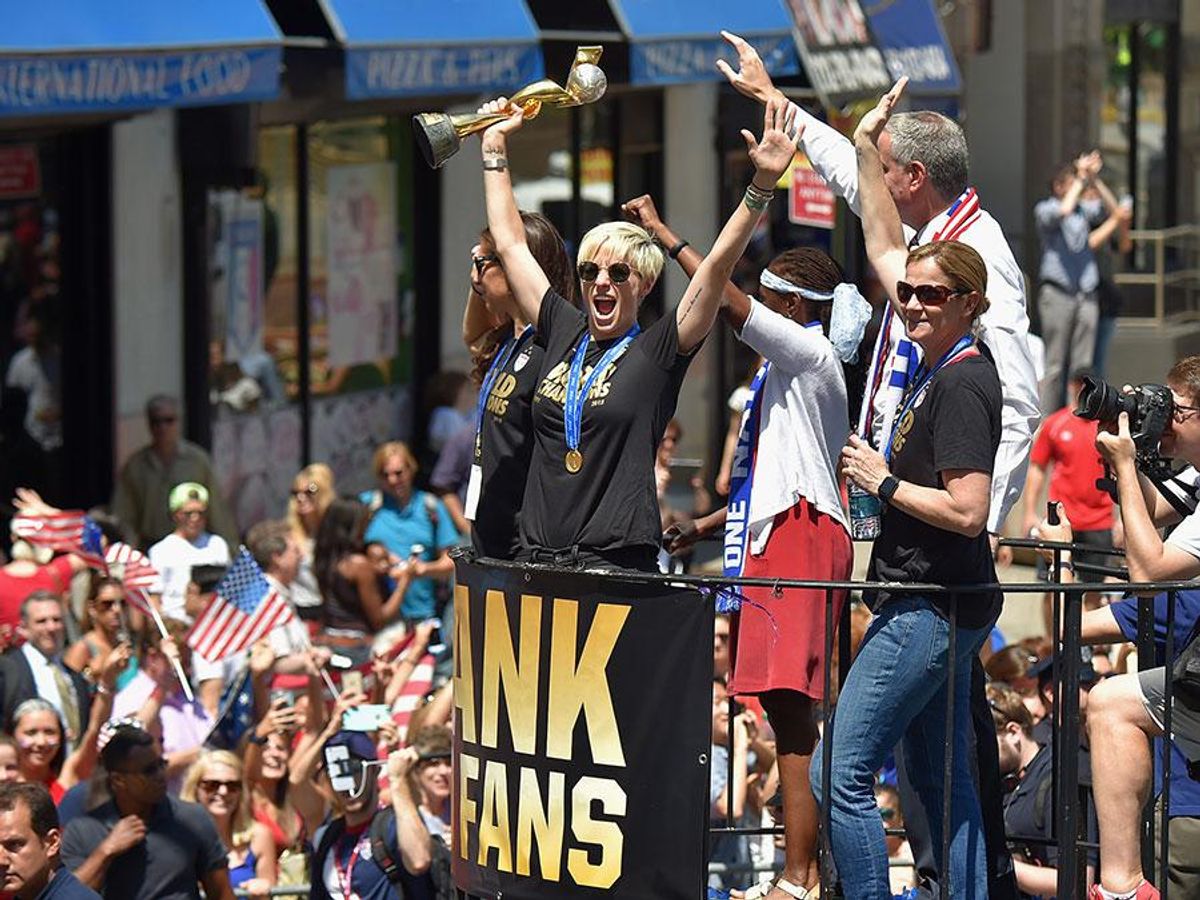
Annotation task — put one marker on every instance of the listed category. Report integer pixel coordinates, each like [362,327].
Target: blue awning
[679,40]
[435,46]
[910,36]
[72,56]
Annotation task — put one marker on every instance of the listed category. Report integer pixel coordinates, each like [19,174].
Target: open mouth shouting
[605,309]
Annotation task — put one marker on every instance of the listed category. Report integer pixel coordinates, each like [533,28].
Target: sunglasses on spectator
[482,261]
[887,813]
[213,785]
[618,272]
[927,294]
[155,421]
[155,768]
[106,605]
[193,513]
[311,491]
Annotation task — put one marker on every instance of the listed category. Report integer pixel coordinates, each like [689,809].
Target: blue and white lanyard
[575,399]
[511,346]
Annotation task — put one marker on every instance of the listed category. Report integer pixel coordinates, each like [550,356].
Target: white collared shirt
[1005,324]
[44,680]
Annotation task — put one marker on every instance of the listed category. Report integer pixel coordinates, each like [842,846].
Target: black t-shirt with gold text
[955,425]
[506,445]
[610,504]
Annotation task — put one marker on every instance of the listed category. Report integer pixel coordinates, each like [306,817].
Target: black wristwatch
[887,489]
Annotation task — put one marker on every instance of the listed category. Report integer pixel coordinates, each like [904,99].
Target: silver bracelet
[497,164]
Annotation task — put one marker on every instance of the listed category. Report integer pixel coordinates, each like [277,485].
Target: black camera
[1150,407]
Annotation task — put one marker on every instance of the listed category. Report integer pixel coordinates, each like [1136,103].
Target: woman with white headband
[785,517]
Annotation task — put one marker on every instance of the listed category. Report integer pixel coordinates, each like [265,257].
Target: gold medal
[573,461]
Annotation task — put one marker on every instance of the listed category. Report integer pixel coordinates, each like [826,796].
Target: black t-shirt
[181,847]
[610,504]
[506,440]
[955,425]
[1029,814]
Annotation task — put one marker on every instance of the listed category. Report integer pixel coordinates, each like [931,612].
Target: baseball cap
[188,490]
[1044,668]
[356,743]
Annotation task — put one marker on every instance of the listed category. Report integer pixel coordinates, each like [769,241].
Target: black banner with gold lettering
[583,724]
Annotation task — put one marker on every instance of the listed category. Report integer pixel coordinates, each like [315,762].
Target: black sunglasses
[482,262]
[618,272]
[927,294]
[162,420]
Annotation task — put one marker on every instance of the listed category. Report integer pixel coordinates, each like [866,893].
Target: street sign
[810,201]
[20,173]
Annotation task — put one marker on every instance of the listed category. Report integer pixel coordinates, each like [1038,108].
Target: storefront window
[360,291]
[540,162]
[31,434]
[1136,56]
[254,342]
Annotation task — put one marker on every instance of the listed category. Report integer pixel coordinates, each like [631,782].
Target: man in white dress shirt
[925,167]
[36,668]
[925,163]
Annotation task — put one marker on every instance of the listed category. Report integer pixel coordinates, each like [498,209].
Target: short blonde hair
[627,242]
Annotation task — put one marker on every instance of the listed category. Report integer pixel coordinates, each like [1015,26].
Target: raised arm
[642,211]
[882,229]
[525,277]
[701,302]
[831,155]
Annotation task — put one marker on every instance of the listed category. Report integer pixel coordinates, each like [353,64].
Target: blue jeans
[896,690]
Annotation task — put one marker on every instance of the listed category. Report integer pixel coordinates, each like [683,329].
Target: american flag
[243,609]
[69,531]
[133,568]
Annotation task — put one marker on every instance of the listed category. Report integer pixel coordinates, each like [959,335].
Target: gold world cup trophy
[439,135]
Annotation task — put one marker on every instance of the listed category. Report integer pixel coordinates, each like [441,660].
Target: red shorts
[779,641]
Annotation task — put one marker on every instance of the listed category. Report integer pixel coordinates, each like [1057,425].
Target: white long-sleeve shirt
[1005,324]
[804,422]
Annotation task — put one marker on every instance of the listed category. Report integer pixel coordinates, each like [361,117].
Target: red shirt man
[1067,443]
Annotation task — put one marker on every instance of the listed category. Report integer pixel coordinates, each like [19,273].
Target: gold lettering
[505,385]
[500,669]
[468,771]
[605,835]
[464,668]
[493,823]
[583,687]
[546,825]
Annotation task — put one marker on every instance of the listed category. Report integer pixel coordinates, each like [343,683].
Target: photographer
[1124,711]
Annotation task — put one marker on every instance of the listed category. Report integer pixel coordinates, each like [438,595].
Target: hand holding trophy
[439,135]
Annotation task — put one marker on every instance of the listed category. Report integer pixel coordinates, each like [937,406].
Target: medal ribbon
[963,348]
[510,346]
[575,399]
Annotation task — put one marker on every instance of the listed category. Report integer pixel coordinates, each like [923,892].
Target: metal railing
[1068,832]
[1175,253]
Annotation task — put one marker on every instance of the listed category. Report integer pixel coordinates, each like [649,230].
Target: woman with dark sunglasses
[508,356]
[933,477]
[608,388]
[104,628]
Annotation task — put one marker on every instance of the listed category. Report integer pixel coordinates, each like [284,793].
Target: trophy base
[436,137]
